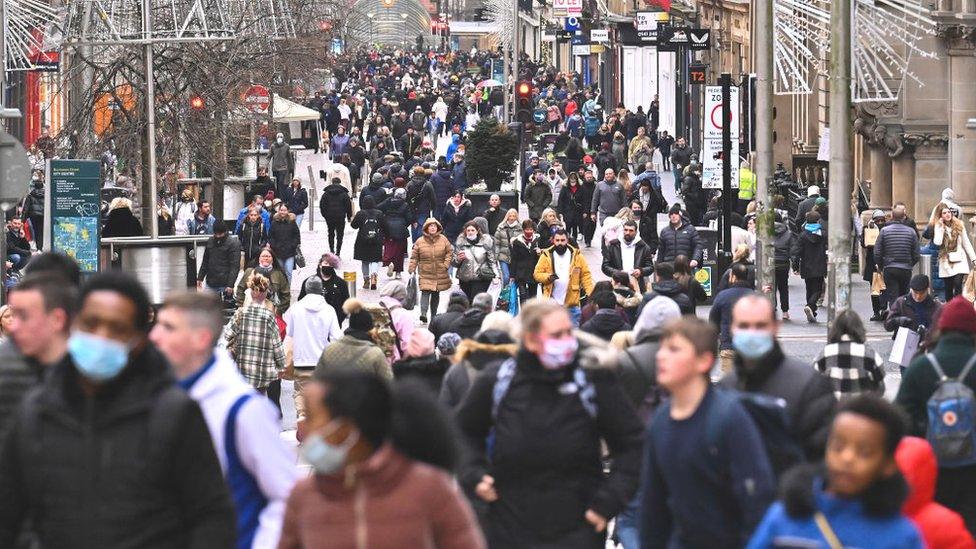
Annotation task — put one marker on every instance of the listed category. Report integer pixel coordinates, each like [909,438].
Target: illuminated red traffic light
[523,89]
[197,103]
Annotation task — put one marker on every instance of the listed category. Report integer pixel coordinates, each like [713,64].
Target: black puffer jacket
[672,290]
[546,456]
[221,262]
[525,256]
[679,241]
[420,196]
[397,218]
[469,323]
[335,204]
[604,323]
[285,236]
[489,348]
[429,370]
[374,190]
[896,247]
[809,396]
[443,182]
[132,466]
[252,238]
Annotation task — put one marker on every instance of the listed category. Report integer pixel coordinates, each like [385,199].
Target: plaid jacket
[852,368]
[255,343]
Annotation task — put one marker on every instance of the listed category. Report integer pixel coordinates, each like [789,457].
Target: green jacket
[747,184]
[919,381]
[350,351]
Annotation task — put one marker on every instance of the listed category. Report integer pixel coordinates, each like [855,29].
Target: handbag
[486,272]
[411,300]
[299,259]
[956,256]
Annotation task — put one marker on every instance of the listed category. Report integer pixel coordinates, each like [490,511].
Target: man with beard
[631,255]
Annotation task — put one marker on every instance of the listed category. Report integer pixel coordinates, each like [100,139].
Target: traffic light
[197,103]
[523,101]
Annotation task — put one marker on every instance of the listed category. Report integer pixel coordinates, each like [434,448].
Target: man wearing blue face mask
[721,313]
[533,425]
[109,451]
[760,366]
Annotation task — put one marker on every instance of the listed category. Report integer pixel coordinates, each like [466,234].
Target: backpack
[768,413]
[952,413]
[384,335]
[653,396]
[371,229]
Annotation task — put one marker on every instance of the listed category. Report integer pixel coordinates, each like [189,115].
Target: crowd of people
[539,408]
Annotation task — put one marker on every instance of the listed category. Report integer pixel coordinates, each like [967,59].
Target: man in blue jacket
[721,312]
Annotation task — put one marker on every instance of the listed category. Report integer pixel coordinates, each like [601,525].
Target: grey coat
[503,240]
[608,197]
[478,255]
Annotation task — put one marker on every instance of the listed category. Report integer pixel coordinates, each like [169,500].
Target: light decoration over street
[887,37]
[29,27]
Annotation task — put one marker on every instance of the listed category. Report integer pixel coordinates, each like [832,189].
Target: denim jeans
[628,532]
[505,272]
[288,265]
[298,219]
[18,260]
[574,315]
[418,231]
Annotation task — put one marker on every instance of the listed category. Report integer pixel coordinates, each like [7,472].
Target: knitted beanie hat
[958,315]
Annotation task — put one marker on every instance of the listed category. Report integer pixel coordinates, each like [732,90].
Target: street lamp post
[370,16]
[403,30]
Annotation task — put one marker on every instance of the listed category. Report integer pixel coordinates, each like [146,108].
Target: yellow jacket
[579,276]
[747,184]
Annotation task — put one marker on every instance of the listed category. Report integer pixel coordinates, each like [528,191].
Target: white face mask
[281,140]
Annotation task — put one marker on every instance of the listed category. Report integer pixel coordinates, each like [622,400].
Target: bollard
[350,278]
[924,265]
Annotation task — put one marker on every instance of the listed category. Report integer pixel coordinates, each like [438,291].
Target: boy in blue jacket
[856,499]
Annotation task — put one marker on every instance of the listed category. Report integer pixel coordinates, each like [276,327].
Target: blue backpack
[952,415]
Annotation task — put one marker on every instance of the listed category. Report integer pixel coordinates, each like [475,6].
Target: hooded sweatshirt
[312,324]
[941,527]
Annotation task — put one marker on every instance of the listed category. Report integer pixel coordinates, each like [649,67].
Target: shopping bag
[877,284]
[513,299]
[871,235]
[411,300]
[904,347]
[495,289]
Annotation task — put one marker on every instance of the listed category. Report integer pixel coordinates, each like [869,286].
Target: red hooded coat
[941,527]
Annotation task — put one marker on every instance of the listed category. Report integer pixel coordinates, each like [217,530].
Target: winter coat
[495,217]
[643,260]
[672,290]
[638,367]
[782,245]
[431,259]
[570,205]
[471,357]
[391,502]
[546,451]
[479,258]
[140,429]
[364,248]
[17,244]
[252,238]
[963,253]
[941,528]
[334,290]
[545,232]
[121,222]
[723,282]
[297,200]
[428,370]
[396,218]
[454,218]
[810,252]
[792,519]
[721,312]
[34,203]
[605,160]
[905,311]
[538,197]
[280,158]
[18,374]
[504,234]
[443,183]
[605,323]
[809,396]
[375,190]
[335,204]
[681,156]
[341,172]
[200,226]
[285,237]
[279,290]
[896,247]
[853,368]
[608,198]
[221,262]
[580,279]
[525,256]
[183,212]
[351,351]
[682,240]
[421,197]
[919,380]
[619,148]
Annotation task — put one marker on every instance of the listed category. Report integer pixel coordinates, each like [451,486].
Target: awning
[289,111]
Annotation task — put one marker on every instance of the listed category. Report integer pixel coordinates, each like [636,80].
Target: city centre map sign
[72,204]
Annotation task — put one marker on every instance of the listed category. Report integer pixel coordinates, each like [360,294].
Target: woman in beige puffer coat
[431,259]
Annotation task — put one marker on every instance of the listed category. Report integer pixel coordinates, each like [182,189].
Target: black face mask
[220,239]
[263,270]
[560,248]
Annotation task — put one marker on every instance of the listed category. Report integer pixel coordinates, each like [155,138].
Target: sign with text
[72,208]
[712,164]
[646,23]
[599,35]
[571,7]
[581,49]
[713,112]
[697,73]
[699,39]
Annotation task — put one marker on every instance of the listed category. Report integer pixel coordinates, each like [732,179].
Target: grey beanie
[377,178]
[447,344]
[394,289]
[658,312]
[313,286]
[483,301]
